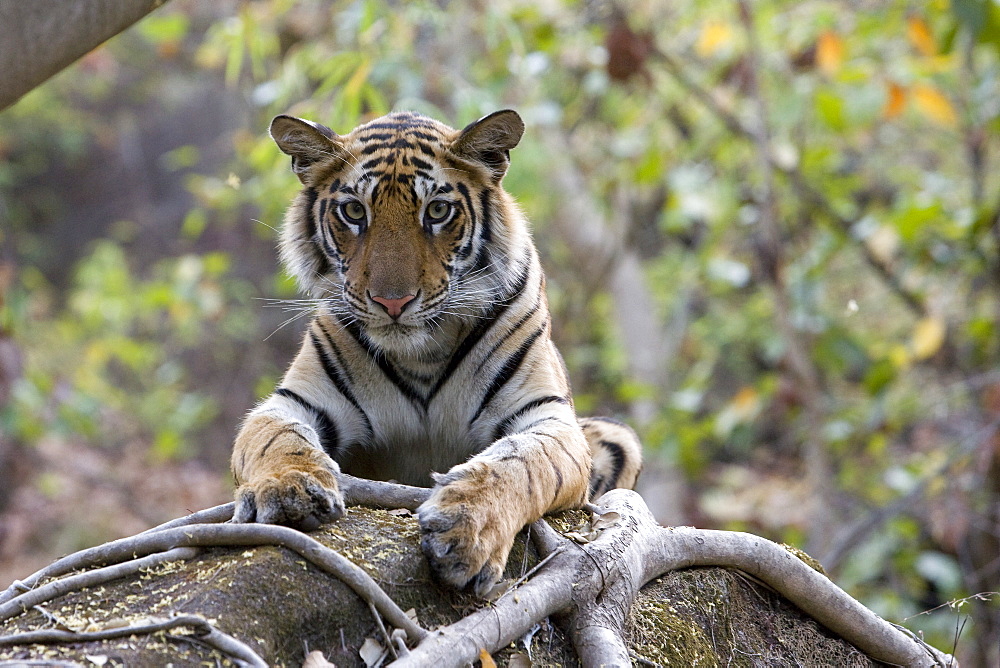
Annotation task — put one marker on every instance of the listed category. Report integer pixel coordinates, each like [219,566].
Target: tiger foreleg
[282,476]
[476,509]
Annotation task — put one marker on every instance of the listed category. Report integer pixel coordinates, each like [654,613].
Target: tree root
[204,632]
[127,550]
[597,583]
[378,494]
[591,587]
[356,491]
[56,588]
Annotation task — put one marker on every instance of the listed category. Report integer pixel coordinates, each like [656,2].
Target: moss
[808,560]
[719,617]
[661,635]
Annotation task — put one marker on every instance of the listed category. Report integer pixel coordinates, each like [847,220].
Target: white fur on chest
[413,436]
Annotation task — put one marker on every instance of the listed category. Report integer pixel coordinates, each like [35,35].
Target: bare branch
[42,38]
[356,491]
[593,584]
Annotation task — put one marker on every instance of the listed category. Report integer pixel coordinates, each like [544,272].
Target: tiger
[429,360]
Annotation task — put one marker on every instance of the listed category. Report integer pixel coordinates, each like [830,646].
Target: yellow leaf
[895,100]
[928,335]
[486,659]
[714,37]
[829,52]
[746,403]
[920,36]
[933,104]
[899,355]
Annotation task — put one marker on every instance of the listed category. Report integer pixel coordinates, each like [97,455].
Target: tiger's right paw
[299,499]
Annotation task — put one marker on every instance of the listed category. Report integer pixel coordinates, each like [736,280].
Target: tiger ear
[489,140]
[308,143]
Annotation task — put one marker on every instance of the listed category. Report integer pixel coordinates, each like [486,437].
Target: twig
[382,629]
[203,630]
[545,538]
[518,582]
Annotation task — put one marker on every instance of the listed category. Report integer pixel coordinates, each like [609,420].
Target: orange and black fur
[429,360]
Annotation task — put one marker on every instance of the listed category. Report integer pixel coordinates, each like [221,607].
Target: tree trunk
[40,38]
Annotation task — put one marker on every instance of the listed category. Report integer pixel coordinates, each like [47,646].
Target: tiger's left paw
[466,537]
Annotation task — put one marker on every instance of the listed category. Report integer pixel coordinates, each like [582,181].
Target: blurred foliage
[865,131]
[108,365]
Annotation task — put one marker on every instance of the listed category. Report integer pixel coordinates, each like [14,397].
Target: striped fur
[429,360]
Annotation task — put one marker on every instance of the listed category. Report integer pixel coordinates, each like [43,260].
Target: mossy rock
[283,607]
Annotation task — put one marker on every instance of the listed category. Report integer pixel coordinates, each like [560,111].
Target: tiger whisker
[288,321]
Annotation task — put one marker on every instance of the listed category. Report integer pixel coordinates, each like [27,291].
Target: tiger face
[387,227]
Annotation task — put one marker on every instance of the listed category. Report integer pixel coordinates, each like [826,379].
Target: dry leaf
[920,36]
[486,659]
[497,590]
[606,520]
[373,653]
[714,37]
[928,336]
[578,537]
[315,659]
[829,52]
[519,660]
[628,50]
[933,104]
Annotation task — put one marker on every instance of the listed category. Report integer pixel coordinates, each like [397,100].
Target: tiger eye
[354,211]
[438,210]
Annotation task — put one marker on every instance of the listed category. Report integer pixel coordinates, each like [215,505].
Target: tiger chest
[415,430]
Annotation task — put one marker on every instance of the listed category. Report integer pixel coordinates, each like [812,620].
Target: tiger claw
[296,499]
[459,554]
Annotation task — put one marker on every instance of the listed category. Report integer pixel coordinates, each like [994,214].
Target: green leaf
[879,376]
[164,27]
[830,108]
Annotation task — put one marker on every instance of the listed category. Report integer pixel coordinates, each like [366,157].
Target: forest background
[771,231]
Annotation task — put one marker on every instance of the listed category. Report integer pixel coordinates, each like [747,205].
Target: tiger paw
[465,540]
[299,499]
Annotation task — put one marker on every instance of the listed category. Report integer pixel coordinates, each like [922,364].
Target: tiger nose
[394,306]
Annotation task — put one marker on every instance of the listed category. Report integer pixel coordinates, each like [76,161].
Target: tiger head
[402,225]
